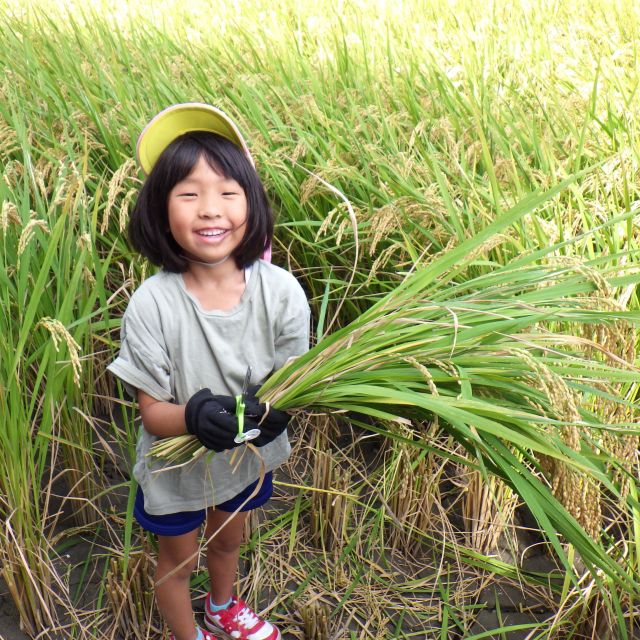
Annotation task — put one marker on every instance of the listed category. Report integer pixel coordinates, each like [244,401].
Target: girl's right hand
[212,420]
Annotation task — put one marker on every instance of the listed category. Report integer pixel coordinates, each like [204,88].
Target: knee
[227,531]
[169,569]
[221,544]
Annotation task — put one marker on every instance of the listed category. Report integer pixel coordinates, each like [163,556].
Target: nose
[209,206]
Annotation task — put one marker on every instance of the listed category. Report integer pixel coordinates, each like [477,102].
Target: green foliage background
[434,119]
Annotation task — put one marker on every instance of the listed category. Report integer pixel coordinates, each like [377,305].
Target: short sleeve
[293,335]
[142,362]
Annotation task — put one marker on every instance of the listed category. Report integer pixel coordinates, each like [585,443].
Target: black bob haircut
[148,229]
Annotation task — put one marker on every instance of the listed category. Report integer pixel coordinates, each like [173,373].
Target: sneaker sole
[215,629]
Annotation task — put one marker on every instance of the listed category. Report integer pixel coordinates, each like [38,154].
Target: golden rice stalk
[624,450]
[386,256]
[412,488]
[41,173]
[8,140]
[127,169]
[488,509]
[384,221]
[27,575]
[124,209]
[59,334]
[28,231]
[619,338]
[319,182]
[328,220]
[13,172]
[579,494]
[8,215]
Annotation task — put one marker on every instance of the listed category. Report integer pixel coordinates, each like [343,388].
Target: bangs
[222,155]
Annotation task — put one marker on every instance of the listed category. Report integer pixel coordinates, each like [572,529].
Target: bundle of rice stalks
[130,595]
[330,507]
[315,619]
[469,353]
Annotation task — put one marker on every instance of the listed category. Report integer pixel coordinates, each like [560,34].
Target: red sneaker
[239,622]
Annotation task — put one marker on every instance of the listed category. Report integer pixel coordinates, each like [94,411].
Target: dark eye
[187,194]
[230,193]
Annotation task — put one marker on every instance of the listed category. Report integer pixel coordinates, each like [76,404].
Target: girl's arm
[160,418]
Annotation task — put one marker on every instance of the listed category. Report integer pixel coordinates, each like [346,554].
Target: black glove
[212,419]
[274,423]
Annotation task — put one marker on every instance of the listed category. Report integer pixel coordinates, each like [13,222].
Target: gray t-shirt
[172,348]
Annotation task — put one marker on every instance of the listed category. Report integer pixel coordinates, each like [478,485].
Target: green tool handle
[240,406]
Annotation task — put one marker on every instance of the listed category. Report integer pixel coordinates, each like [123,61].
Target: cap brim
[178,119]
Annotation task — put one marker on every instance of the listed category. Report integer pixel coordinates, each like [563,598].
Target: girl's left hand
[271,422]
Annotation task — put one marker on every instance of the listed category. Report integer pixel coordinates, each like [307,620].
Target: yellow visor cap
[178,119]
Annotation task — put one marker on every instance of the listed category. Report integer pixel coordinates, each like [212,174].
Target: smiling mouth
[212,233]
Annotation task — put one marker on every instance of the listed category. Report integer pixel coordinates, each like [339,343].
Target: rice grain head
[426,374]
[8,140]
[617,337]
[383,222]
[126,170]
[60,334]
[417,132]
[326,223]
[386,256]
[308,188]
[28,231]
[623,450]
[299,151]
[13,172]
[8,215]
[124,209]
[579,493]
[319,182]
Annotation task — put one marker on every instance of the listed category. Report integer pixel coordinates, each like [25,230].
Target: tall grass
[49,305]
[434,119]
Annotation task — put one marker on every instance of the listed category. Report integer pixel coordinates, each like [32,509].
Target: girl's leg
[222,559]
[223,552]
[173,594]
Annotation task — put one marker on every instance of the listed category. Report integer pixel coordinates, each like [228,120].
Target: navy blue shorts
[175,524]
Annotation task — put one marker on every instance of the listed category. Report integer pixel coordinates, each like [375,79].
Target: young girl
[192,331]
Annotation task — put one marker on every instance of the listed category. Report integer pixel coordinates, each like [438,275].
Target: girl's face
[207,214]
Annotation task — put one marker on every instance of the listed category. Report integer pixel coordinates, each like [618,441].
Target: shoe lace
[246,617]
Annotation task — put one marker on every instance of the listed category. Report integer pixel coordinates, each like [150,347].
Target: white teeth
[217,232]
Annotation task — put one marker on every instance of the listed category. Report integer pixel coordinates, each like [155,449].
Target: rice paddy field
[457,188]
